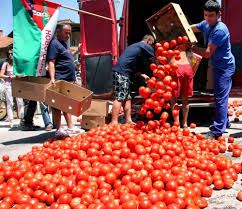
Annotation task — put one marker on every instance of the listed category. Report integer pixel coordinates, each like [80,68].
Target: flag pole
[87,13]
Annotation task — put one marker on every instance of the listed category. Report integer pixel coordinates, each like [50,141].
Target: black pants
[29,110]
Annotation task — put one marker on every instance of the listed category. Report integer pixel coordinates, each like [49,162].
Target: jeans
[222,87]
[45,113]
[29,110]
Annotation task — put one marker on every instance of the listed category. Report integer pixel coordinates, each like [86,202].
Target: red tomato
[185,39]
[162,60]
[166,45]
[239,195]
[153,66]
[207,191]
[236,153]
[179,40]
[193,125]
[169,197]
[173,43]
[131,204]
[5,157]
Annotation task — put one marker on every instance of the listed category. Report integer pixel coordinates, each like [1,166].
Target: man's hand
[12,76]
[52,81]
[146,77]
[184,46]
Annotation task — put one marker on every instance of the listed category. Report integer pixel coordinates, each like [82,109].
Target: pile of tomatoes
[119,166]
[235,109]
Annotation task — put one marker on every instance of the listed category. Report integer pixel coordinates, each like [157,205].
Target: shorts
[121,85]
[184,81]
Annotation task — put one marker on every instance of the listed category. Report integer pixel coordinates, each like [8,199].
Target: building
[5,42]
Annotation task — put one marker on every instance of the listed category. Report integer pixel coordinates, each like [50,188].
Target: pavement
[14,142]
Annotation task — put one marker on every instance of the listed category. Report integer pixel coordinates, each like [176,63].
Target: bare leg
[127,111]
[174,105]
[68,118]
[115,111]
[57,118]
[185,110]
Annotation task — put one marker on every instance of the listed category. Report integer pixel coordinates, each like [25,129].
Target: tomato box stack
[96,115]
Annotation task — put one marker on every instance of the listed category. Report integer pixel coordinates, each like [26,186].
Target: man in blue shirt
[128,65]
[222,60]
[61,67]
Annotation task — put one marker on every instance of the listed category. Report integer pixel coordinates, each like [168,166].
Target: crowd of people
[61,66]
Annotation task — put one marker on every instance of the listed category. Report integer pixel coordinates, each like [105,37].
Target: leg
[57,117]
[222,88]
[127,110]
[9,99]
[30,108]
[174,105]
[20,104]
[121,93]
[115,111]
[71,128]
[45,114]
[68,118]
[185,110]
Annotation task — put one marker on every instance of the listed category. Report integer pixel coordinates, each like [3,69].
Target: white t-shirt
[8,71]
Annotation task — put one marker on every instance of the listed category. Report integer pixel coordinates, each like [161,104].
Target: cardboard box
[32,88]
[68,97]
[97,108]
[169,23]
[89,122]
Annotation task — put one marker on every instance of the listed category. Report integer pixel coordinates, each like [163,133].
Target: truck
[102,41]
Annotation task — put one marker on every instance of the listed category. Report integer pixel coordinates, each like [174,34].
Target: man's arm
[195,29]
[75,50]
[52,70]
[205,52]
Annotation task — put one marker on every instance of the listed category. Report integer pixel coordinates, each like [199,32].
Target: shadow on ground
[32,139]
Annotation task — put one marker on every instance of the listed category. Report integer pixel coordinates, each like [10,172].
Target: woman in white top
[7,74]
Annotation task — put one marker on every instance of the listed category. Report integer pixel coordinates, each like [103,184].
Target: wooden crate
[169,23]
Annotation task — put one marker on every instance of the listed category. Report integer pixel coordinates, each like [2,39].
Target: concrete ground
[15,142]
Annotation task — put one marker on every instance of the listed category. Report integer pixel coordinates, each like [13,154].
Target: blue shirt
[222,59]
[130,60]
[64,61]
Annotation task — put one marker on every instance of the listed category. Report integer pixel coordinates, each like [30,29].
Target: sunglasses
[10,53]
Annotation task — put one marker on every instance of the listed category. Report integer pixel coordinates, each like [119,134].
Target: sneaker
[211,128]
[49,127]
[211,135]
[75,130]
[61,132]
[21,123]
[228,125]
[11,124]
[36,127]
[28,128]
